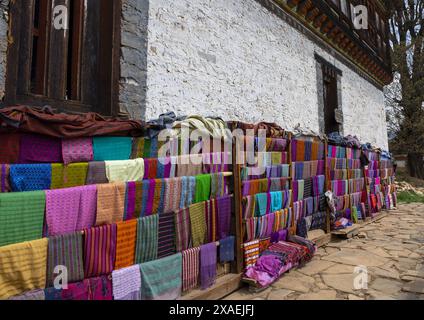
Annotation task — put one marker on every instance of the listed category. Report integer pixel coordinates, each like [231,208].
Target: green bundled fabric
[21,216]
[203,188]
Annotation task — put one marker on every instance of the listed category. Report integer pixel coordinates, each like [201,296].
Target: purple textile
[130,201]
[224,216]
[37,148]
[279,236]
[208,259]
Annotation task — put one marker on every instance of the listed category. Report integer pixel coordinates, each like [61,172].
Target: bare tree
[405,98]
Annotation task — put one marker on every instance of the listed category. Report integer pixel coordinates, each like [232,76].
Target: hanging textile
[203,188]
[208,260]
[22,267]
[110,203]
[112,148]
[166,236]
[65,250]
[10,144]
[153,273]
[30,177]
[99,250]
[250,253]
[87,207]
[21,216]
[226,249]
[223,206]
[217,185]
[211,216]
[150,168]
[172,194]
[126,233]
[34,295]
[72,175]
[4,178]
[37,148]
[100,288]
[182,230]
[77,150]
[96,173]
[147,239]
[127,283]
[125,170]
[198,224]
[249,205]
[191,268]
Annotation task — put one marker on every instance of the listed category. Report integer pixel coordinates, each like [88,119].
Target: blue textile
[30,177]
[276,201]
[226,249]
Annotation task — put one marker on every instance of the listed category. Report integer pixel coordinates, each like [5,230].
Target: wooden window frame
[18,70]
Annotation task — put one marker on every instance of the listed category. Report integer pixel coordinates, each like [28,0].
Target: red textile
[9,147]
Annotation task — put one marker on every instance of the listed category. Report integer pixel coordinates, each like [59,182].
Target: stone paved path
[392,249]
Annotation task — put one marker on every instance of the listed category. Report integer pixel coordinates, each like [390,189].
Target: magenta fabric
[224,217]
[87,207]
[37,148]
[77,150]
[101,288]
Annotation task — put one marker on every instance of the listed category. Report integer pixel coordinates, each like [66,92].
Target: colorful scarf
[198,224]
[125,243]
[96,173]
[147,239]
[65,250]
[127,283]
[125,170]
[182,230]
[99,250]
[166,240]
[87,207]
[172,194]
[30,177]
[37,148]
[22,267]
[211,216]
[162,279]
[191,268]
[21,216]
[250,253]
[224,206]
[77,150]
[226,249]
[217,185]
[203,188]
[208,260]
[112,148]
[110,203]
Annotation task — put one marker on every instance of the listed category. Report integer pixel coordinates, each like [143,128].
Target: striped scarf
[4,178]
[147,239]
[198,224]
[217,185]
[182,229]
[166,236]
[191,268]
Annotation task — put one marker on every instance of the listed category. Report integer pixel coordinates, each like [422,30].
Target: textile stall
[373,181]
[388,176]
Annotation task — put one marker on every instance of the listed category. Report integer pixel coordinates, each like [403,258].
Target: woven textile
[34,295]
[37,148]
[162,279]
[125,243]
[30,177]
[100,288]
[126,283]
[203,188]
[125,170]
[226,249]
[72,175]
[166,241]
[88,207]
[198,224]
[112,148]
[147,239]
[77,150]
[110,203]
[22,267]
[211,216]
[96,173]
[191,268]
[208,260]
[250,253]
[217,185]
[9,149]
[4,178]
[182,230]
[223,206]
[99,250]
[65,250]
[172,194]
[21,216]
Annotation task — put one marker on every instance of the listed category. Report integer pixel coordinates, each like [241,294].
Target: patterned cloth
[30,177]
[127,283]
[9,149]
[4,178]
[125,170]
[226,249]
[203,188]
[250,253]
[217,185]
[208,260]
[34,295]
[100,288]
[162,279]
[72,175]
[166,241]
[99,250]
[112,148]
[147,239]
[22,267]
[21,216]
[191,268]
[223,206]
[37,148]
[65,250]
[77,150]
[96,173]
[110,203]
[198,223]
[125,243]
[182,230]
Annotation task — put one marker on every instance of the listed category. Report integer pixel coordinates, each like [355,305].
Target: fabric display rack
[388,182]
[373,182]
[119,223]
[266,216]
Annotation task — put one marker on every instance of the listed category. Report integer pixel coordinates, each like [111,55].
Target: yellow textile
[110,203]
[125,170]
[72,175]
[198,223]
[22,267]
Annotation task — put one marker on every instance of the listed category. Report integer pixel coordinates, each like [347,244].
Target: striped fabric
[217,185]
[4,178]
[166,241]
[250,253]
[99,250]
[125,243]
[198,223]
[162,279]
[182,230]
[21,216]
[65,250]
[147,239]
[191,268]
[22,267]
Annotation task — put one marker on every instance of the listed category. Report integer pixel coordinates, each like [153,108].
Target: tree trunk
[416,165]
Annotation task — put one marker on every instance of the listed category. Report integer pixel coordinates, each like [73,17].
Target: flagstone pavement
[391,249]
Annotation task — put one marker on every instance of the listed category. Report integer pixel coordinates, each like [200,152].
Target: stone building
[287,61]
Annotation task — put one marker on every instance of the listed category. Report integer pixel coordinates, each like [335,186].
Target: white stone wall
[3,44]
[237,60]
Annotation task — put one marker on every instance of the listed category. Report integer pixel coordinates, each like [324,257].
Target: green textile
[203,188]
[147,239]
[21,216]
